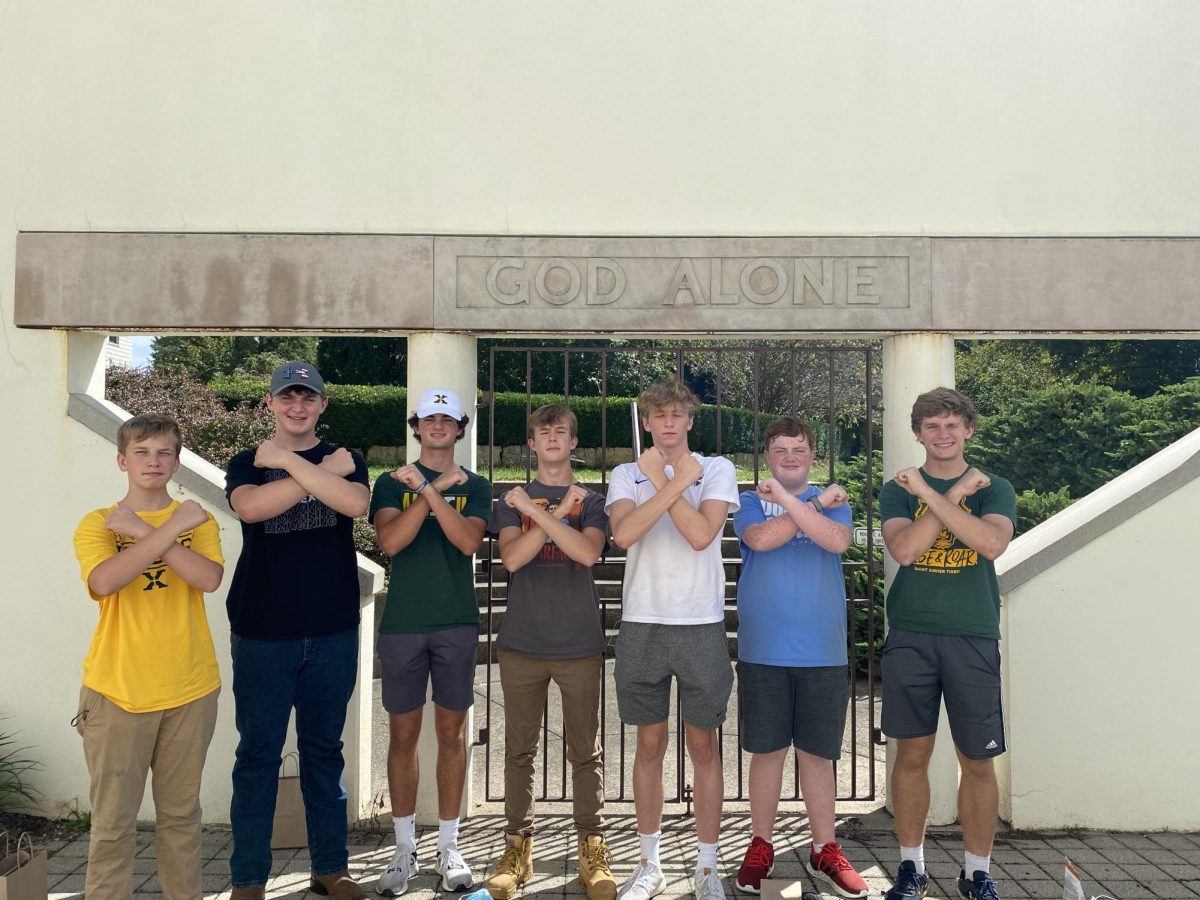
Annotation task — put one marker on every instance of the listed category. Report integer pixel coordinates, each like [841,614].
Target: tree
[995,374]
[1140,367]
[205,358]
[582,367]
[363,360]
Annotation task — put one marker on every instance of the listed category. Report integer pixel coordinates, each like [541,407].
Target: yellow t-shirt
[152,648]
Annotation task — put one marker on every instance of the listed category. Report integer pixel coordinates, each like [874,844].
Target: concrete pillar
[913,364]
[85,362]
[442,360]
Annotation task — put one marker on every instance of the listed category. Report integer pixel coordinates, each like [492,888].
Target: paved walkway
[1124,866]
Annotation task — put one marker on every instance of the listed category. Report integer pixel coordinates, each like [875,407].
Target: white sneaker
[403,866]
[456,876]
[709,885]
[645,882]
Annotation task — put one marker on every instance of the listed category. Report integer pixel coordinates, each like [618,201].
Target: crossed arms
[799,516]
[396,528]
[150,544]
[907,539]
[699,527]
[325,480]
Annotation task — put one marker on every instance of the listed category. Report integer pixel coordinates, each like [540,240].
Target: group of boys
[151,680]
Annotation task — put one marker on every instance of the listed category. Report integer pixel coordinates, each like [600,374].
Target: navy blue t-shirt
[297,575]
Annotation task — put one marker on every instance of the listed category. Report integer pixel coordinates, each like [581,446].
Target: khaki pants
[526,681]
[120,748]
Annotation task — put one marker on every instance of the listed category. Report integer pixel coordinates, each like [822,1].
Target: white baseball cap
[439,400]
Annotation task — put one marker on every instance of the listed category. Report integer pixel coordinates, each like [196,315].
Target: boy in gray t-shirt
[551,533]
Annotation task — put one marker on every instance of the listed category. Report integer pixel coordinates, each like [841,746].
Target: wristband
[424,484]
[816,504]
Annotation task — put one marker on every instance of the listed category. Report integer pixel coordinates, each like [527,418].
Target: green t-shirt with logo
[950,588]
[432,583]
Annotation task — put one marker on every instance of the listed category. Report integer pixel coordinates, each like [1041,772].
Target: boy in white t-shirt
[668,511]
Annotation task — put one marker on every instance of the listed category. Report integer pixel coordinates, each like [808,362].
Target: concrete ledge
[196,474]
[1094,515]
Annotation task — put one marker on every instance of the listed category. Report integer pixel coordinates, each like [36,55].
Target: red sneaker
[832,867]
[758,864]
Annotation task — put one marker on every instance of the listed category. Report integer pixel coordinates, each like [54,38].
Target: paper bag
[289,830]
[23,872]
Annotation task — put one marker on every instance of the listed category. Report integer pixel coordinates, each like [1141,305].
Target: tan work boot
[514,868]
[338,886]
[595,868]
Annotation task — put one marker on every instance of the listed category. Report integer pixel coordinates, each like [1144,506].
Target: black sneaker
[911,884]
[978,887]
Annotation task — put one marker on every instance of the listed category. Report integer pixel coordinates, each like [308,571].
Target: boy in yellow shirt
[150,679]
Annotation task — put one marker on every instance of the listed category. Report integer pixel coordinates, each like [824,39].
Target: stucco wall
[1099,656]
[536,117]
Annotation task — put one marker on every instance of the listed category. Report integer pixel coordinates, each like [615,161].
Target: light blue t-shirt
[791,600]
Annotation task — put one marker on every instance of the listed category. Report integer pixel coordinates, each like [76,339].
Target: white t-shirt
[666,581]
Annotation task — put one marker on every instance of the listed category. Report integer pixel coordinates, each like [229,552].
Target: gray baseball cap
[297,374]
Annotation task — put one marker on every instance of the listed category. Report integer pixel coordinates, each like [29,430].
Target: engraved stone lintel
[654,282]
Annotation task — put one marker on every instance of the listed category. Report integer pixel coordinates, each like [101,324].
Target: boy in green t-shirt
[944,523]
[150,679]
[430,517]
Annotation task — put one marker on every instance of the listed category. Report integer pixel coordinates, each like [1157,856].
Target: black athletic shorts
[920,669]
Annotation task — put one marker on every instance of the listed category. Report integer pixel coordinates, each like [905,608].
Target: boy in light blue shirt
[793,677]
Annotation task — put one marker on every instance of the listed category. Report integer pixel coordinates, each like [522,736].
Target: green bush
[358,416]
[363,416]
[214,429]
[1080,436]
[1034,508]
[852,475]
[15,768]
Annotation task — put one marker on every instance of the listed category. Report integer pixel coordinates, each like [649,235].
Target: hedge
[364,416]
[358,416]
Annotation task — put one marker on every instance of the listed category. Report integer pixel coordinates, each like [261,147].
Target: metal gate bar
[861,752]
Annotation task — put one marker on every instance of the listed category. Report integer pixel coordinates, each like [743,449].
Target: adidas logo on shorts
[991,745]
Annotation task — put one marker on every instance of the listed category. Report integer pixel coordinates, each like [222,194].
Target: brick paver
[1126,866]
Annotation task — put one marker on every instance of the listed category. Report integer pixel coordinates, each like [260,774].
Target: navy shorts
[411,661]
[920,669]
[801,706]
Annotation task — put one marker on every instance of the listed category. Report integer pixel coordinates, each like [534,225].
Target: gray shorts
[801,706]
[411,661]
[649,654]
[920,669]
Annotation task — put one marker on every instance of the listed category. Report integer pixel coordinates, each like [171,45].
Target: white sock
[707,856]
[817,848]
[406,831]
[976,863]
[649,845]
[915,855]
[447,833]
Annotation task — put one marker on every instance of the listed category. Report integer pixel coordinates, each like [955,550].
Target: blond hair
[665,394]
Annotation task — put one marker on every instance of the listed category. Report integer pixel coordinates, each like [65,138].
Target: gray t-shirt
[553,606]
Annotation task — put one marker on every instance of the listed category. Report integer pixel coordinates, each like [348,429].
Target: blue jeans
[316,676]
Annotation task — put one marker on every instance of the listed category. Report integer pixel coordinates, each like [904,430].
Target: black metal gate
[831,385]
